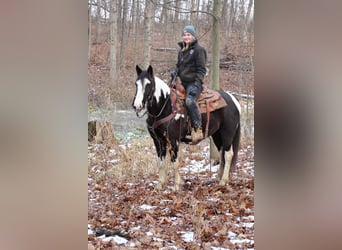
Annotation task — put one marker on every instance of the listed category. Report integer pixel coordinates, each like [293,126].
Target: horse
[168,127]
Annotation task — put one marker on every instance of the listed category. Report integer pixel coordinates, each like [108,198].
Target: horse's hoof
[160,186]
[222,183]
[177,188]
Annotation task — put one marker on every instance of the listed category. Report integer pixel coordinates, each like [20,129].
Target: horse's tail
[235,145]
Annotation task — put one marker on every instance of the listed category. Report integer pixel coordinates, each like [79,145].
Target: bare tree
[148,14]
[215,66]
[232,12]
[113,41]
[123,33]
[192,14]
[98,21]
[215,41]
[89,32]
[248,15]
[135,20]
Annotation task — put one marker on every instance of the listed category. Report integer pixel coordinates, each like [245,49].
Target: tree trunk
[101,132]
[89,33]
[113,42]
[136,28]
[98,22]
[192,14]
[231,17]
[123,34]
[215,41]
[215,68]
[148,13]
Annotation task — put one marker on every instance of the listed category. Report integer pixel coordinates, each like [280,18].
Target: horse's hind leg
[226,159]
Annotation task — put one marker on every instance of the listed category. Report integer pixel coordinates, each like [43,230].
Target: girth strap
[157,123]
[208,117]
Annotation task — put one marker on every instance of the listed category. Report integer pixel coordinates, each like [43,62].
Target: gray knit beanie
[190,29]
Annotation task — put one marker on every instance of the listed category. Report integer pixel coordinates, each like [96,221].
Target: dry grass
[129,163]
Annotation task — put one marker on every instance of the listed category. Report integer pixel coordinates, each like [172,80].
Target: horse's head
[145,87]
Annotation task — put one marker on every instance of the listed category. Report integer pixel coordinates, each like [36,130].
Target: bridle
[157,122]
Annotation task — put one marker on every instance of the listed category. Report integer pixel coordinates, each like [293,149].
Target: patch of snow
[153,183]
[113,161]
[117,239]
[248,224]
[146,207]
[235,239]
[198,166]
[165,200]
[240,241]
[90,231]
[168,248]
[231,234]
[188,236]
[132,244]
[219,248]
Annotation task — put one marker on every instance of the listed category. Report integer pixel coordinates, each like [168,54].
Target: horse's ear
[138,69]
[150,70]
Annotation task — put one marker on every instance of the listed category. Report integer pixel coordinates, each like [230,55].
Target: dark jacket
[191,63]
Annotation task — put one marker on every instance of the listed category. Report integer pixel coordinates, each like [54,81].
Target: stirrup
[196,135]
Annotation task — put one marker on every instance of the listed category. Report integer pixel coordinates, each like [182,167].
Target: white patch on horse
[161,89]
[139,95]
[237,104]
[179,116]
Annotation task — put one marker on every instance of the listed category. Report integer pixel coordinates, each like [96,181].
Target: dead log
[101,132]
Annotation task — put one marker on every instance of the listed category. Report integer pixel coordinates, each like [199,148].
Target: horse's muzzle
[137,110]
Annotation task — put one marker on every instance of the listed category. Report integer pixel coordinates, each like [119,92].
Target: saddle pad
[210,100]
[207,96]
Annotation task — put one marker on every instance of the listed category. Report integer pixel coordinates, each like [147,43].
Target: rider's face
[187,37]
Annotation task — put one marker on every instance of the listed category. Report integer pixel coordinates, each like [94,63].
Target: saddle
[208,100]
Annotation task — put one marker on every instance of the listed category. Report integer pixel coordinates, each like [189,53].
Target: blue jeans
[192,93]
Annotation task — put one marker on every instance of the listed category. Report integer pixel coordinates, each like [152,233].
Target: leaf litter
[127,211]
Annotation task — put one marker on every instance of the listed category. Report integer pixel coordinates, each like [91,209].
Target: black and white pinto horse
[167,129]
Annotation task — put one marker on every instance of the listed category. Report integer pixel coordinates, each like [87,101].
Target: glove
[199,85]
[173,74]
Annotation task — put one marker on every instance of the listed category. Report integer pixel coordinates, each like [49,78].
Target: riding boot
[196,135]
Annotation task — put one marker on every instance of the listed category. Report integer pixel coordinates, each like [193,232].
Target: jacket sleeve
[178,60]
[201,59]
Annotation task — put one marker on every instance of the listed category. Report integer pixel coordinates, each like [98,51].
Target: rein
[156,122]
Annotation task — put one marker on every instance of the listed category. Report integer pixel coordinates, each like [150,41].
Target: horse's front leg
[161,152]
[176,166]
[226,160]
[162,174]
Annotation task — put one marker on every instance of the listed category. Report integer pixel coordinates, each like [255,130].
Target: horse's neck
[161,97]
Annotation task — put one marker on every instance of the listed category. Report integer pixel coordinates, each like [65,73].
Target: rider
[191,70]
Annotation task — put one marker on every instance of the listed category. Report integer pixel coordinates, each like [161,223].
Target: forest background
[125,33]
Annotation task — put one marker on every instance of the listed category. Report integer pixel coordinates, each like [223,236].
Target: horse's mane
[161,88]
